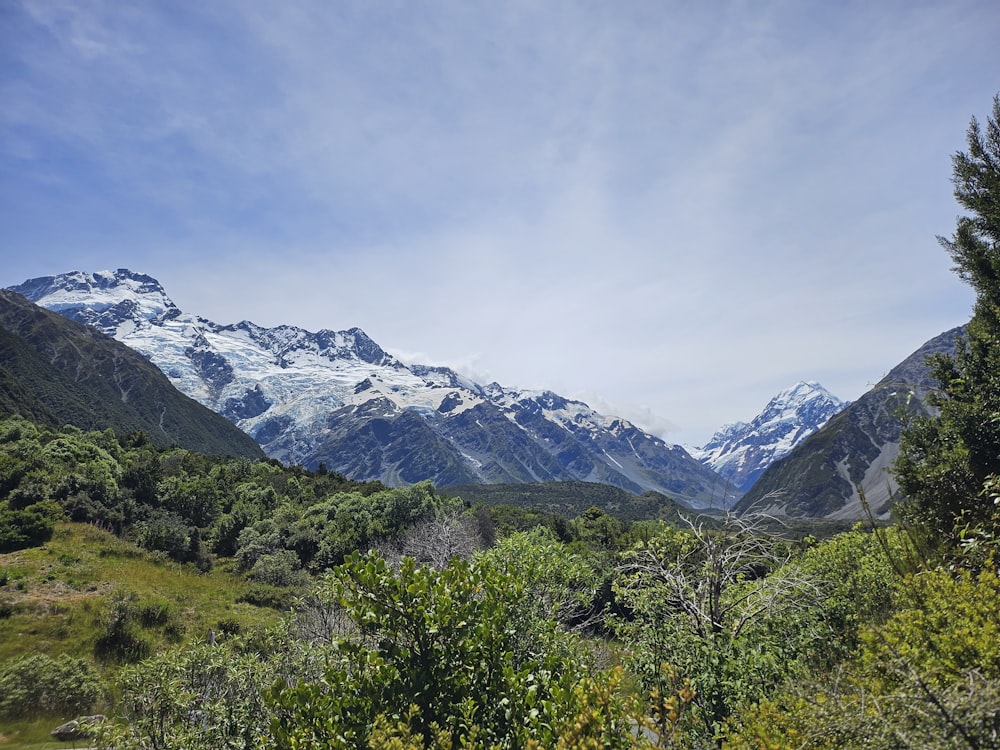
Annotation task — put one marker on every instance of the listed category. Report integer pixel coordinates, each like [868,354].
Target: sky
[671,210]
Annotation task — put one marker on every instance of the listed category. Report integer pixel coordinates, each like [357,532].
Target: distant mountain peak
[841,472]
[742,451]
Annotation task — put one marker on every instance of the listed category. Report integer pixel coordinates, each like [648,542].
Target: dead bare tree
[705,601]
[436,540]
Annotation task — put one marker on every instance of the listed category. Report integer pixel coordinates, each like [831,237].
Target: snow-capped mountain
[741,452]
[337,398]
[842,472]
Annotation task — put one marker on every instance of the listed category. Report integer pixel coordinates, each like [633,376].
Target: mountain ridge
[58,371]
[337,398]
[821,477]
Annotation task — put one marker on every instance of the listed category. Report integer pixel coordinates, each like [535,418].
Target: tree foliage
[947,459]
[203,696]
[704,607]
[928,677]
[28,527]
[448,658]
[188,506]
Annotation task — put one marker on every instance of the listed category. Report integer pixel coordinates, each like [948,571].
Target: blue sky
[671,210]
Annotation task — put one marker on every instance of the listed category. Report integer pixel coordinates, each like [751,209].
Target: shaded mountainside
[742,452]
[56,371]
[336,398]
[820,477]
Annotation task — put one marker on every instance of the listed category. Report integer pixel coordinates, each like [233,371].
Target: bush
[273,597]
[200,697]
[449,658]
[38,685]
[29,527]
[119,640]
[929,677]
[279,568]
[163,531]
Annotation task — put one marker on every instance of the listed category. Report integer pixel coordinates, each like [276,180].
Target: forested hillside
[57,372]
[494,625]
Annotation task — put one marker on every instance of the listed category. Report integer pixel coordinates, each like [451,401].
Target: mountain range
[336,398]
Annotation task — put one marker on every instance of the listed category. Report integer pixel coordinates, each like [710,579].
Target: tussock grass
[31,735]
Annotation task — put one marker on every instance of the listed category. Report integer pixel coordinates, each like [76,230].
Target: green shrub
[38,685]
[264,595]
[119,641]
[29,527]
[449,658]
[200,697]
[279,568]
[929,677]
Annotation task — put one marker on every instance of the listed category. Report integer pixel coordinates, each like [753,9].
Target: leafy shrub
[163,531]
[119,640]
[449,658]
[38,685]
[201,697]
[29,527]
[279,568]
[559,584]
[264,595]
[929,677]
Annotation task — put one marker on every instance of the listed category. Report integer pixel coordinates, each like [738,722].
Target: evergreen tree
[949,462]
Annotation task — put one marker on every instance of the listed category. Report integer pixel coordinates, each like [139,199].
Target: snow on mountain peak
[742,451]
[104,299]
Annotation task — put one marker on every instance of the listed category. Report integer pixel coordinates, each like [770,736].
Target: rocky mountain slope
[821,476]
[741,452]
[58,372]
[335,397]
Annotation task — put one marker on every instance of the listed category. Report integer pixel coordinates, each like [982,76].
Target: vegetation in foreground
[471,628]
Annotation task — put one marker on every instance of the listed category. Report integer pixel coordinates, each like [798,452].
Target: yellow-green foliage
[929,677]
[463,655]
[948,623]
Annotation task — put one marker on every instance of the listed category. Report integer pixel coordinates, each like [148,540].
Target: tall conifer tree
[949,463]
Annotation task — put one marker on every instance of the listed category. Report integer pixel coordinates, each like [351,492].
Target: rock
[77,729]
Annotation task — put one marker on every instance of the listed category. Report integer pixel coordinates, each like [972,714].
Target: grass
[32,735]
[53,598]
